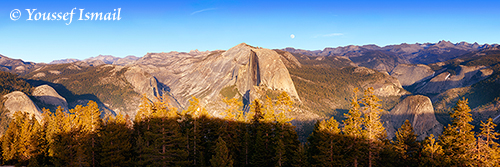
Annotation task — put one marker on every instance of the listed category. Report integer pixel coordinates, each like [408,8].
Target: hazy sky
[163,26]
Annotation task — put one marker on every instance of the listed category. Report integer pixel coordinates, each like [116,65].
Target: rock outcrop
[408,74]
[465,76]
[388,86]
[49,98]
[419,111]
[205,74]
[491,110]
[143,82]
[18,101]
[146,84]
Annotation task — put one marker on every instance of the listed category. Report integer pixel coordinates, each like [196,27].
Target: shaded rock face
[419,111]
[288,59]
[18,101]
[491,110]
[143,82]
[205,74]
[146,84]
[408,74]
[466,76]
[49,98]
[389,86]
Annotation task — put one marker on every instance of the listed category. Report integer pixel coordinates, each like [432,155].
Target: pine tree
[38,144]
[193,116]
[487,153]
[159,140]
[115,143]
[284,107]
[21,141]
[69,145]
[256,110]
[458,139]
[432,152]
[406,145]
[222,157]
[374,130]
[300,157]
[280,152]
[89,122]
[325,144]
[353,129]
[294,153]
[263,152]
[233,111]
[246,145]
[235,130]
[89,117]
[144,112]
[268,112]
[281,121]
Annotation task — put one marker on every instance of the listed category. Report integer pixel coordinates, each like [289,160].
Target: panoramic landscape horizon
[249,83]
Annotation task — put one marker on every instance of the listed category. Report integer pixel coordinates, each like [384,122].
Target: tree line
[161,136]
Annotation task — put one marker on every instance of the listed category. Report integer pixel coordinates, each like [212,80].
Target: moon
[292,36]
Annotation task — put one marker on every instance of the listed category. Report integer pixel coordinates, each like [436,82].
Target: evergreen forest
[160,135]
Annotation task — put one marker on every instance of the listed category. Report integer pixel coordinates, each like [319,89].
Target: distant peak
[194,51]
[443,41]
[245,45]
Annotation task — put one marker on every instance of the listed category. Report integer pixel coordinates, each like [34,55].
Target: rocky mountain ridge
[99,60]
[388,57]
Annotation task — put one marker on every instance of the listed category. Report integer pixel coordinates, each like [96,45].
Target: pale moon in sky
[292,36]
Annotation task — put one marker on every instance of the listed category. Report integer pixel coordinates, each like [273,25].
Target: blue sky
[163,26]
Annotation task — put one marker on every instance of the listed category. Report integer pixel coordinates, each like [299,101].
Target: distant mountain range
[101,59]
[388,57]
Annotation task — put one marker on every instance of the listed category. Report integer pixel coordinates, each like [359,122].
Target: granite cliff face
[116,89]
[408,74]
[419,111]
[248,71]
[143,82]
[204,74]
[18,101]
[49,98]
